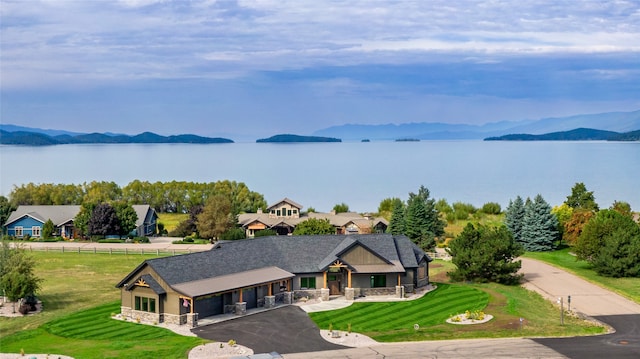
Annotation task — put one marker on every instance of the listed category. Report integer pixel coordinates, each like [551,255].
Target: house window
[378,281]
[295,211]
[289,213]
[308,282]
[278,213]
[19,232]
[35,231]
[145,304]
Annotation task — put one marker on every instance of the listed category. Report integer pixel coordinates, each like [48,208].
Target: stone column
[270,301]
[288,298]
[192,320]
[324,294]
[349,293]
[399,291]
[241,308]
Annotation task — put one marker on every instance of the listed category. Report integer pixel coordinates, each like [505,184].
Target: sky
[251,69]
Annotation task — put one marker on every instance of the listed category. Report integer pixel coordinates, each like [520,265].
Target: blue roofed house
[29,220]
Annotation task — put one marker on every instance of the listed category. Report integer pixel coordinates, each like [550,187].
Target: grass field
[79,295]
[627,287]
[171,220]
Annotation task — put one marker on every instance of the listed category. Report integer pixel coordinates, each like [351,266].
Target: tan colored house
[284,216]
[268,271]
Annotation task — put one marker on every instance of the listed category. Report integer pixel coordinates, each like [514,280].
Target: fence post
[62,249]
[157,252]
[126,251]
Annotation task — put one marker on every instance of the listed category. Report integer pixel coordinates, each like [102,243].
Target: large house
[284,215]
[29,220]
[238,275]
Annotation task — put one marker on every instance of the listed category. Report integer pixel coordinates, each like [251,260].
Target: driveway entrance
[283,330]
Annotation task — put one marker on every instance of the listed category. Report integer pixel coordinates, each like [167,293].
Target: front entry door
[333,282]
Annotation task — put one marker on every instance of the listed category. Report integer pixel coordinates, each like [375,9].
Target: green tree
[422,220]
[621,207]
[189,226]
[233,234]
[491,208]
[540,226]
[48,229]
[265,233]
[484,254]
[341,208]
[514,218]
[127,218]
[620,253]
[396,224]
[17,277]
[598,230]
[81,222]
[313,226]
[216,218]
[580,198]
[386,207]
[103,221]
[5,211]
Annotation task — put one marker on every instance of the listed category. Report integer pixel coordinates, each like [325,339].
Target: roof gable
[57,214]
[287,201]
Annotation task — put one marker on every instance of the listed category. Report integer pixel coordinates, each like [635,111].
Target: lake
[359,174]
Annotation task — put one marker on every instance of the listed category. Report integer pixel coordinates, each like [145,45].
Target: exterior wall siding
[359,255]
[27,223]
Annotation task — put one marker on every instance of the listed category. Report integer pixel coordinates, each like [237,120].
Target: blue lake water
[321,175]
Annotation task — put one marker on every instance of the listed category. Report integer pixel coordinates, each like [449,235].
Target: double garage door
[214,305]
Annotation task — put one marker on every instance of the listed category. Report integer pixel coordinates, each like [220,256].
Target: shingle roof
[61,214]
[294,254]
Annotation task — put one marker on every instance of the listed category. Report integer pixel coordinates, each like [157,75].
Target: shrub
[188,240]
[491,208]
[265,233]
[233,234]
[141,240]
[24,309]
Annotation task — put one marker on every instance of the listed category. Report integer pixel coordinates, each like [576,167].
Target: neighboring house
[284,216]
[29,220]
[238,275]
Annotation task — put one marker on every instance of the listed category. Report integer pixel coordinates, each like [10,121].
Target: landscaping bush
[265,233]
[233,234]
[491,208]
[141,240]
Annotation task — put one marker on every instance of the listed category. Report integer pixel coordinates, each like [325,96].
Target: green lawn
[627,287]
[394,321]
[93,334]
[171,220]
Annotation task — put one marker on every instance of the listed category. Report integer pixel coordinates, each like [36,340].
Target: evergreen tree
[396,225]
[47,229]
[598,230]
[540,226]
[580,198]
[422,220]
[514,218]
[620,254]
[485,254]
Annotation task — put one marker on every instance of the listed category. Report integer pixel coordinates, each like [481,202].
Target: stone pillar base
[324,294]
[349,293]
[192,320]
[270,301]
[399,291]
[241,308]
[288,298]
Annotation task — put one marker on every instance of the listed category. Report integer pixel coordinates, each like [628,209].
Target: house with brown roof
[268,271]
[284,215]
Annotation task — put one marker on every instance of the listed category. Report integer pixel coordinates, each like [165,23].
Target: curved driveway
[551,282]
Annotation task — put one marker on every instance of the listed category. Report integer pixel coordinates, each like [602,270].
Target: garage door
[207,307]
[251,297]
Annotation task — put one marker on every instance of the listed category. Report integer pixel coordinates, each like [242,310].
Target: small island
[288,138]
[407,140]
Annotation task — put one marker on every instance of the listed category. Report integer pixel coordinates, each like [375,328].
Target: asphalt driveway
[283,330]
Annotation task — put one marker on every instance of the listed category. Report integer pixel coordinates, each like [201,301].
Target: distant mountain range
[35,138]
[611,121]
[579,134]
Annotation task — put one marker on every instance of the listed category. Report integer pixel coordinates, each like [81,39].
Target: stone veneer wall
[311,293]
[138,315]
[377,291]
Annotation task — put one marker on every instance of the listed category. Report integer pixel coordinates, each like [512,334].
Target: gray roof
[232,281]
[294,254]
[61,214]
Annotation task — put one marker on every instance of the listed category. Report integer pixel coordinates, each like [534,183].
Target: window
[308,282]
[278,213]
[145,304]
[295,211]
[378,281]
[289,213]
[35,231]
[18,232]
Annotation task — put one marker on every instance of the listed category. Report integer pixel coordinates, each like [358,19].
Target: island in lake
[578,134]
[288,138]
[41,139]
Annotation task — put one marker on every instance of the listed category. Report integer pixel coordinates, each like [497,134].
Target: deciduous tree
[313,226]
[216,217]
[341,208]
[103,221]
[127,218]
[386,207]
[17,277]
[485,254]
[598,230]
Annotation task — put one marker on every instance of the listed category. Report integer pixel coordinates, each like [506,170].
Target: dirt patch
[7,309]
